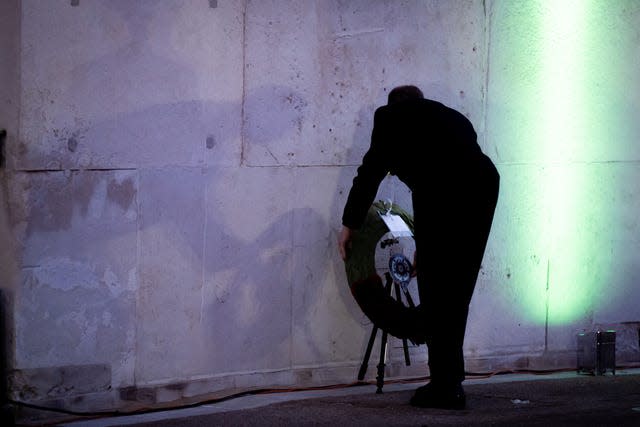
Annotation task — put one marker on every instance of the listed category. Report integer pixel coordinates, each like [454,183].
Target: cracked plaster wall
[174,187]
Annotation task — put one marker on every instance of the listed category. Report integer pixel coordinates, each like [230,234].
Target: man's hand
[344,241]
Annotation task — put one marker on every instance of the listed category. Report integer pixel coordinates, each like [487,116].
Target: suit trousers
[452,223]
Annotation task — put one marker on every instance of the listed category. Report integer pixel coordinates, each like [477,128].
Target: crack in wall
[243,119]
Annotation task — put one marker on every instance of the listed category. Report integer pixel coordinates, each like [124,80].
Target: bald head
[404,93]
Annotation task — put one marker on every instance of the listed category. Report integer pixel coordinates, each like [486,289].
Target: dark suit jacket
[428,145]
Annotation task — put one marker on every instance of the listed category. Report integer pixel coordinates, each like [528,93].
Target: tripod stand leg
[405,346]
[407,295]
[383,344]
[367,354]
[381,364]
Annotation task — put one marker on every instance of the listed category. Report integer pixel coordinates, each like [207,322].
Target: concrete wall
[563,95]
[9,122]
[174,188]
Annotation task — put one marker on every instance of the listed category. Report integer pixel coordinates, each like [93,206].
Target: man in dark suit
[433,149]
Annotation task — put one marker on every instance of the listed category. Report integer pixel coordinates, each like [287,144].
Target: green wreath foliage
[360,263]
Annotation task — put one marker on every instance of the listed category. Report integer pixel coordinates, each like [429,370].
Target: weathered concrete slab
[169,314]
[246,299]
[148,84]
[336,63]
[79,269]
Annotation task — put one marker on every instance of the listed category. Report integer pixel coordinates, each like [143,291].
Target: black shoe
[430,396]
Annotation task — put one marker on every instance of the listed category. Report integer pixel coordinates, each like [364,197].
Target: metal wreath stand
[360,266]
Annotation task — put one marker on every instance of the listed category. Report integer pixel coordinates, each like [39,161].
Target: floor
[560,398]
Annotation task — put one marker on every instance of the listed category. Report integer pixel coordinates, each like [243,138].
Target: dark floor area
[574,400]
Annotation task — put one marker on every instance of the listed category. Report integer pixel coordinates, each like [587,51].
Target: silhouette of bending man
[432,149]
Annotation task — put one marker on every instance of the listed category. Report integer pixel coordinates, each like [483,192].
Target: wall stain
[121,193]
[55,197]
[72,144]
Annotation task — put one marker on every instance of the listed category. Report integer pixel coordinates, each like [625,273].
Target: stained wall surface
[176,172]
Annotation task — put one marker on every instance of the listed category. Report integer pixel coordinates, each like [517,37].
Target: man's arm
[344,241]
[370,173]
